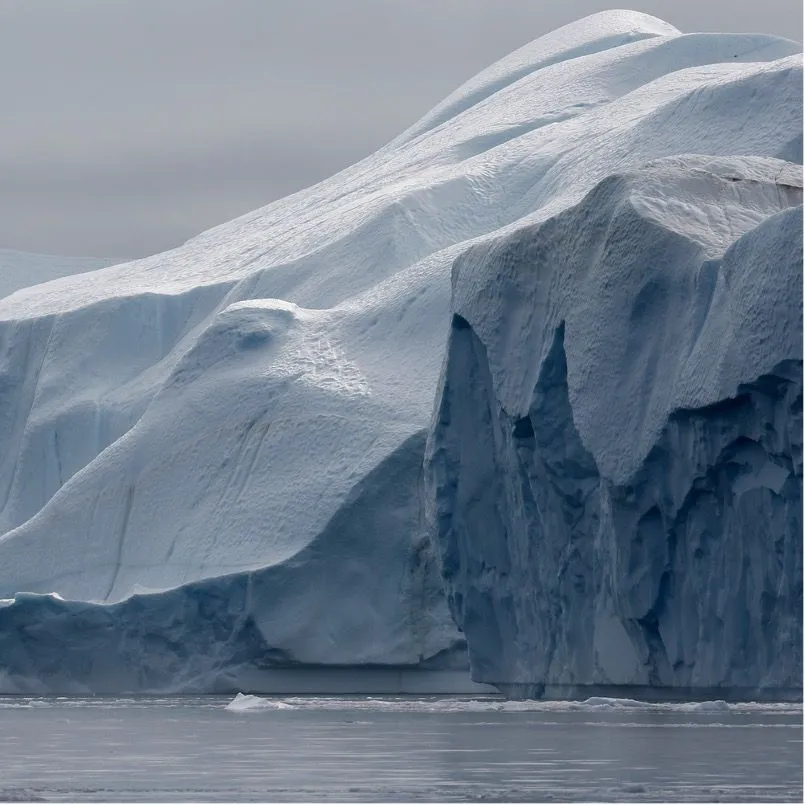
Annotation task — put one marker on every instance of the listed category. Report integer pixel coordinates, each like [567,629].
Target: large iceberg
[211,460]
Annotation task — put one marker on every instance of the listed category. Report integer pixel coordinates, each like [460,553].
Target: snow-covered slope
[23,269]
[254,403]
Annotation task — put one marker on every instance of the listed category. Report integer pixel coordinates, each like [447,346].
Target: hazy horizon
[132,126]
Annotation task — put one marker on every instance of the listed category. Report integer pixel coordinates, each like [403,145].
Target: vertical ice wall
[615,462]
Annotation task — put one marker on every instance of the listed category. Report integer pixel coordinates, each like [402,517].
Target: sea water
[396,748]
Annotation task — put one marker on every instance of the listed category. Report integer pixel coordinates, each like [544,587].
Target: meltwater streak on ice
[398,749]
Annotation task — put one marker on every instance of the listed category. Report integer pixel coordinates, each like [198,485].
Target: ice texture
[214,456]
[615,463]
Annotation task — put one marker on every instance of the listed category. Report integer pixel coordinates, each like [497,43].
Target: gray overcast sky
[130,125]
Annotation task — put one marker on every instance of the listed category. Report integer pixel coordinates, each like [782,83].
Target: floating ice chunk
[244,703]
[606,702]
[717,706]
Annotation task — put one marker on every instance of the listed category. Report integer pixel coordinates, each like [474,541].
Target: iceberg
[223,460]
[615,466]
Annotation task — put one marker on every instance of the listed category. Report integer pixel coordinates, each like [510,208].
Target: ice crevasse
[526,380]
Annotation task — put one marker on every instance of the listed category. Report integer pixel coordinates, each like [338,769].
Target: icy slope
[214,410]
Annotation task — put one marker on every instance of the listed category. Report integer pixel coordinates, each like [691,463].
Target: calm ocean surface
[395,748]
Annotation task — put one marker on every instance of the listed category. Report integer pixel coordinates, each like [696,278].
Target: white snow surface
[255,401]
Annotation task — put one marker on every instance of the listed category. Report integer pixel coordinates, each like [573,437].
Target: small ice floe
[245,703]
[717,706]
[608,703]
[604,703]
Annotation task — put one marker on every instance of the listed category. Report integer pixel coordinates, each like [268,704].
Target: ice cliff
[616,460]
[213,457]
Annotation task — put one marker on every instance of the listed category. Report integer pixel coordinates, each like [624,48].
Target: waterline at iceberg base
[533,370]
